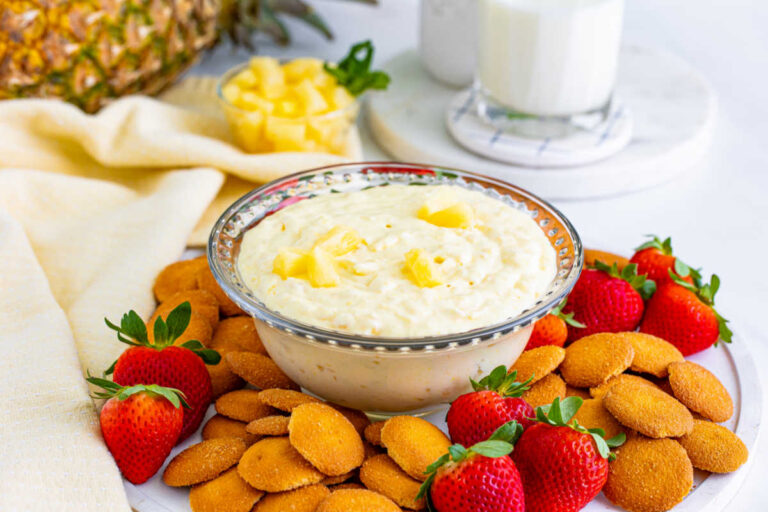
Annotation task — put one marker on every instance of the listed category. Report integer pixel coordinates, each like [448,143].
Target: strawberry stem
[566,317]
[705,292]
[502,382]
[114,390]
[665,246]
[644,286]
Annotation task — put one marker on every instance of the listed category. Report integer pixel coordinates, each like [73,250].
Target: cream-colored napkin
[91,208]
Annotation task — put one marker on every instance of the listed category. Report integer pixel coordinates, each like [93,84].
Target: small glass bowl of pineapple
[289,106]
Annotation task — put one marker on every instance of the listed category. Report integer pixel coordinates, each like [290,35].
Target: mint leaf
[354,71]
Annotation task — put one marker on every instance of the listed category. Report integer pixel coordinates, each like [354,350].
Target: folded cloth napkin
[91,208]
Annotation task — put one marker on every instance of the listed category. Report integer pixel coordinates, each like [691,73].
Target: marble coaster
[673,116]
[582,147]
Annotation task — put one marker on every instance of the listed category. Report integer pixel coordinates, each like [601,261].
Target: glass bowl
[376,374]
[256,132]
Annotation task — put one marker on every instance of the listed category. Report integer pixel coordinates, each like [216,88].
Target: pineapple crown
[560,413]
[133,331]
[705,292]
[111,389]
[499,444]
[566,317]
[501,382]
[644,286]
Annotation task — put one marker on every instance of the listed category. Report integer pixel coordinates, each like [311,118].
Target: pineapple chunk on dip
[389,269]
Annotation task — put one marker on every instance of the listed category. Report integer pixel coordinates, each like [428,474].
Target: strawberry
[495,401]
[563,466]
[481,478]
[162,363]
[553,328]
[683,314]
[605,299]
[656,259]
[140,425]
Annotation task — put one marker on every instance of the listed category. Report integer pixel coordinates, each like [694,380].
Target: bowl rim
[231,72]
[313,334]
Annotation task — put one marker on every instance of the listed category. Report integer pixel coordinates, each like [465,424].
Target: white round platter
[673,111]
[732,363]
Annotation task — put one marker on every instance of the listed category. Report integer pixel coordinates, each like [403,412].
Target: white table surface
[715,213]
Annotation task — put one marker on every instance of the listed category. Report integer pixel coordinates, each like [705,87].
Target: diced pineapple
[290,262]
[270,76]
[339,240]
[251,101]
[288,108]
[324,81]
[340,98]
[310,97]
[420,267]
[458,215]
[246,79]
[321,269]
[285,134]
[250,131]
[298,69]
[231,93]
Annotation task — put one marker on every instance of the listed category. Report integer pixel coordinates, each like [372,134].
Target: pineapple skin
[89,52]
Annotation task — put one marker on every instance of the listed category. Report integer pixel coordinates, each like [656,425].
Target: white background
[716,213]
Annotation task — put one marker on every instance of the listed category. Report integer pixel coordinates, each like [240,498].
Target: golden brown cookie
[357,500]
[545,391]
[221,426]
[202,303]
[537,363]
[203,461]
[592,414]
[223,380]
[649,475]
[382,475]
[237,333]
[652,354]
[648,410]
[335,480]
[285,399]
[226,492]
[592,360]
[371,450]
[372,433]
[346,485]
[259,370]
[700,391]
[198,329]
[357,418]
[714,448]
[243,405]
[413,443]
[177,277]
[579,392]
[269,426]
[593,255]
[303,499]
[206,281]
[273,465]
[602,389]
[327,439]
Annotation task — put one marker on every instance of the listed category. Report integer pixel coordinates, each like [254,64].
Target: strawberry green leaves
[499,444]
[706,294]
[644,286]
[113,390]
[560,413]
[665,246]
[354,70]
[503,383]
[566,317]
[133,331]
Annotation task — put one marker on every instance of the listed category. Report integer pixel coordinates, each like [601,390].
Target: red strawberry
[683,314]
[140,425]
[553,328]
[606,300]
[656,259]
[495,401]
[481,478]
[162,363]
[563,467]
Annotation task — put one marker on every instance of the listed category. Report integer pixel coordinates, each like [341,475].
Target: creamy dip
[489,271]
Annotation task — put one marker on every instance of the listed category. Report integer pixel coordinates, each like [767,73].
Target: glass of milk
[547,67]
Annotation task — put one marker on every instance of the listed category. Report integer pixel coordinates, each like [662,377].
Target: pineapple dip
[398,261]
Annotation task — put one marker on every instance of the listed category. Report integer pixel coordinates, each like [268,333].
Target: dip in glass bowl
[370,360]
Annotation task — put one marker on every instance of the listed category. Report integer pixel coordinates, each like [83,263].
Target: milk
[549,57]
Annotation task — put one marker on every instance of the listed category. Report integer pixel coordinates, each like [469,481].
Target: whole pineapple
[90,51]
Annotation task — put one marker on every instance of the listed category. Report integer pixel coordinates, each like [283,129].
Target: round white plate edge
[712,495]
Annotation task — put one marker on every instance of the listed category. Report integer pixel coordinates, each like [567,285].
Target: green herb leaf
[354,70]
